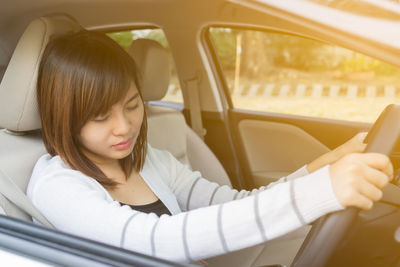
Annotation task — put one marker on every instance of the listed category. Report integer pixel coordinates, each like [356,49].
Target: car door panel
[270,146]
[274,149]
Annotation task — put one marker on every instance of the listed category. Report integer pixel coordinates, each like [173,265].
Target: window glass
[125,39]
[282,73]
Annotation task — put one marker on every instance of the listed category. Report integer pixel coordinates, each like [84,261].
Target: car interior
[241,149]
[167,129]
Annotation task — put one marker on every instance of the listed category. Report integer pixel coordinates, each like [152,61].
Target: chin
[123,154]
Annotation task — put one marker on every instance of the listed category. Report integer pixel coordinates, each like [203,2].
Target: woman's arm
[193,191]
[212,193]
[77,204]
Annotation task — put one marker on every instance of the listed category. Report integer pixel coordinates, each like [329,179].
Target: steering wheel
[328,231]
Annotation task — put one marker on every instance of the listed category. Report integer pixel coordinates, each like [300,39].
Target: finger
[376,177]
[362,202]
[377,161]
[369,191]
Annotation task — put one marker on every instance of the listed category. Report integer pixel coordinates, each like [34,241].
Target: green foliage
[292,52]
[361,63]
[283,51]
[297,53]
[156,35]
[225,45]
[122,38]
[125,38]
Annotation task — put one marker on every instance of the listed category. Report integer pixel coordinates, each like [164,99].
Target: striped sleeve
[222,228]
[74,204]
[193,191]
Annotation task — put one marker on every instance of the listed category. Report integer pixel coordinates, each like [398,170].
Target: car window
[125,39]
[283,73]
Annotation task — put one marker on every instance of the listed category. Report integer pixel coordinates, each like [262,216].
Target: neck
[110,167]
[114,171]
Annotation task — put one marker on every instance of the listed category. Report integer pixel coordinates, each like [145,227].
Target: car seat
[20,141]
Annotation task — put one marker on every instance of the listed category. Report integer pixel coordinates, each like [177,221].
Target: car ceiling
[119,14]
[94,14]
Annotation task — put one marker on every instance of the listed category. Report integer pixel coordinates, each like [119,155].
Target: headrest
[18,104]
[154,67]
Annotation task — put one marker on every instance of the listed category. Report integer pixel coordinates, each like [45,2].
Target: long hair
[81,76]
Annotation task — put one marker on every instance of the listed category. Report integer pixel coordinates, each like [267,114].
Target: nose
[121,124]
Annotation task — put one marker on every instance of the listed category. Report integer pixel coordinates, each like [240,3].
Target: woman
[101,180]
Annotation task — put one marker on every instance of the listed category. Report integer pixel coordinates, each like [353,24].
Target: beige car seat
[20,141]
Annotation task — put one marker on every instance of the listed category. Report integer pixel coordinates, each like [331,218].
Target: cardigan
[207,219]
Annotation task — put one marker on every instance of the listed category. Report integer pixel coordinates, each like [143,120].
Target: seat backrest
[167,128]
[20,141]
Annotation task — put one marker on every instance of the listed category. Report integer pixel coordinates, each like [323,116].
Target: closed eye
[101,119]
[133,107]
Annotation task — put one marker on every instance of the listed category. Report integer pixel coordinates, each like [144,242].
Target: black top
[156,207]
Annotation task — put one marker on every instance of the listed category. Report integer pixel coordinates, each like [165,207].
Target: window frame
[51,246]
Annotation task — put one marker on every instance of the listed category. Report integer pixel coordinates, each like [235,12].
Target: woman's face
[112,136]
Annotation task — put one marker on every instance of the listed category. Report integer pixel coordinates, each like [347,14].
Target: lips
[123,145]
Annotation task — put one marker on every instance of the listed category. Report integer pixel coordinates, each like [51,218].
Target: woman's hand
[358,179]
[354,145]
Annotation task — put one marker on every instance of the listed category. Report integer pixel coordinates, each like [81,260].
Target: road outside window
[125,39]
[282,73]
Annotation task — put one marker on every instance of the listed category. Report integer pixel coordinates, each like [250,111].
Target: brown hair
[81,76]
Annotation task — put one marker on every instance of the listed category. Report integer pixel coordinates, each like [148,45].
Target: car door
[26,244]
[301,78]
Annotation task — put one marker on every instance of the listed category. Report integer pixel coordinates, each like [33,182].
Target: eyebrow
[132,98]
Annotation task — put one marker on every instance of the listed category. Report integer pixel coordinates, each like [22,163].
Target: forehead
[131,92]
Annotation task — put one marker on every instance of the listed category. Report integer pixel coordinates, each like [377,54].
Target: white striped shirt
[207,219]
